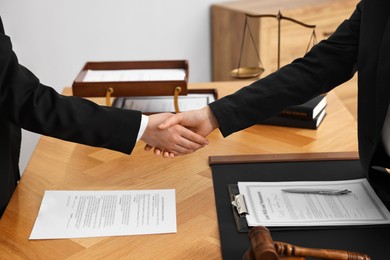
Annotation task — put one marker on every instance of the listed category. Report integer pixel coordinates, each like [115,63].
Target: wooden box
[131,78]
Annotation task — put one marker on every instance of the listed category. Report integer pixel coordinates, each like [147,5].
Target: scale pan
[246,72]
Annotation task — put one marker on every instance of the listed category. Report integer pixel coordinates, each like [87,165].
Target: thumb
[173,120]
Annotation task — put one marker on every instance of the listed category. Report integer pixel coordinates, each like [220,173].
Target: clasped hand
[172,135]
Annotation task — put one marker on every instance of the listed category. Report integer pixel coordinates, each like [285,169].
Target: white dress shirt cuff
[142,127]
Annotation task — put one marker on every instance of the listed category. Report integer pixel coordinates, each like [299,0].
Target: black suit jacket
[26,103]
[360,44]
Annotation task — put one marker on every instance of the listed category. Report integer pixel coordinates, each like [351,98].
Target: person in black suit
[360,44]
[28,104]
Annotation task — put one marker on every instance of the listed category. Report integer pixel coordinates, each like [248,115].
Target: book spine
[293,122]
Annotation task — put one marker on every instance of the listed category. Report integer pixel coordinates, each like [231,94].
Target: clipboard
[227,170]
[237,202]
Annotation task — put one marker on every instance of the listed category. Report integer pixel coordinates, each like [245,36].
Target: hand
[172,141]
[200,121]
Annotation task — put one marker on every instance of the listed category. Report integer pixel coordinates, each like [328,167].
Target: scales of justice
[256,71]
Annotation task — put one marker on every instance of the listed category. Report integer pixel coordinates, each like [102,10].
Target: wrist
[211,117]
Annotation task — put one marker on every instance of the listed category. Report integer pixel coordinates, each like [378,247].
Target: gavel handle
[291,250]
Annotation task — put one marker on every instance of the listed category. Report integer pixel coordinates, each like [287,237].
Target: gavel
[264,248]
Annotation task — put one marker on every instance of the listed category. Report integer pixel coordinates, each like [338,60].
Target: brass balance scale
[255,72]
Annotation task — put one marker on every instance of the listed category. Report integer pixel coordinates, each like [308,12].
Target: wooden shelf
[228,24]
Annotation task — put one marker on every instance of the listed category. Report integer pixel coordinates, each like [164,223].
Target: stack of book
[307,115]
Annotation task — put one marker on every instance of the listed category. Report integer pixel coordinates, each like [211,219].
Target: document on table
[75,214]
[268,205]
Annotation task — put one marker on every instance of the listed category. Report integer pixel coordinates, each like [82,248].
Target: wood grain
[60,165]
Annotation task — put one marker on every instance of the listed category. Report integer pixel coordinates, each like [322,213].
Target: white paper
[74,214]
[134,75]
[158,104]
[268,205]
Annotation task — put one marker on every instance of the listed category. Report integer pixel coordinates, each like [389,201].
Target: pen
[318,191]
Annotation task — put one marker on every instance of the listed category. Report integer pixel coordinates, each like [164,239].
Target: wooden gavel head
[262,245]
[264,248]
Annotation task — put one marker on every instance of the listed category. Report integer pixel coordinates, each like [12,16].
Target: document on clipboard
[283,204]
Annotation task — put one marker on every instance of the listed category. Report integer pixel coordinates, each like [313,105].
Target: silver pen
[318,191]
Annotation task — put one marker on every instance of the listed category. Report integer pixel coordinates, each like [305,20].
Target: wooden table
[60,165]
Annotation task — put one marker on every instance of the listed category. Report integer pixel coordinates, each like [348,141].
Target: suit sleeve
[328,64]
[27,103]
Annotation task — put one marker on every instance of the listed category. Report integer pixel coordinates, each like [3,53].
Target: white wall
[55,38]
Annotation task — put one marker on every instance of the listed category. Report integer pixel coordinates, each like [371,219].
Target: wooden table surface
[60,165]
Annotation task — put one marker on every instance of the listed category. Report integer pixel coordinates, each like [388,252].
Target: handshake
[172,135]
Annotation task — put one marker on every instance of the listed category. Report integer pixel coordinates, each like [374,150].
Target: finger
[184,147]
[173,120]
[186,141]
[157,151]
[174,150]
[193,137]
[168,155]
[148,147]
[164,154]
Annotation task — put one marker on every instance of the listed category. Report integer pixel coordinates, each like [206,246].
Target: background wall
[55,38]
